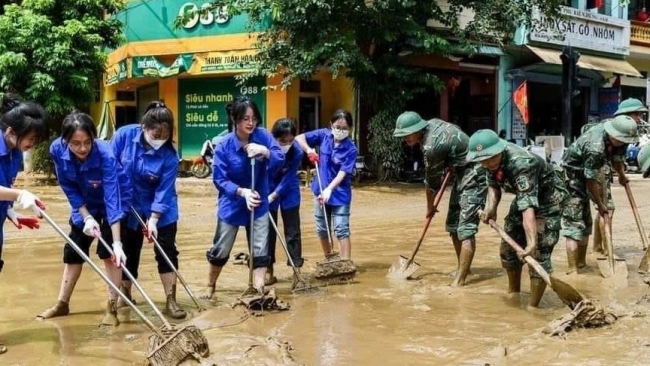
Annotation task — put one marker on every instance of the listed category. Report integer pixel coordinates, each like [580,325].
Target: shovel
[637,217]
[166,346]
[644,265]
[301,286]
[405,267]
[169,262]
[611,265]
[569,295]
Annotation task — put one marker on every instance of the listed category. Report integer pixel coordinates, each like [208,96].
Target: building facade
[602,38]
[639,51]
[193,70]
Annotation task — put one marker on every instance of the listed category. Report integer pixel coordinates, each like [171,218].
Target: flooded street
[374,320]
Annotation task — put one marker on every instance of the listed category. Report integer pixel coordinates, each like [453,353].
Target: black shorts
[83,241]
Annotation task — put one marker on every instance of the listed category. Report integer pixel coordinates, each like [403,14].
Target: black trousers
[291,226]
[83,241]
[132,241]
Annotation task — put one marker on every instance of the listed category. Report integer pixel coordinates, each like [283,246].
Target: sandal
[240,258]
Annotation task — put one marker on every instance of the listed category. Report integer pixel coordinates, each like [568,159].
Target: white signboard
[583,29]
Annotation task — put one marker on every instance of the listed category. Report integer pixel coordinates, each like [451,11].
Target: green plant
[369,41]
[297,38]
[386,148]
[54,51]
[41,160]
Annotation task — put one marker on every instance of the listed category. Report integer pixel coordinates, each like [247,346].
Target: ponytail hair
[24,118]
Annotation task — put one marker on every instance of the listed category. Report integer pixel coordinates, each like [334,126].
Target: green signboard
[115,73]
[150,66]
[154,20]
[202,108]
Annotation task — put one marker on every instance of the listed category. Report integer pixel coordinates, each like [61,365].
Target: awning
[601,64]
[483,50]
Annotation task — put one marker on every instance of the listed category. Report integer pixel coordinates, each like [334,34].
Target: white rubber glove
[152,228]
[118,258]
[254,150]
[90,225]
[27,200]
[252,198]
[12,215]
[325,195]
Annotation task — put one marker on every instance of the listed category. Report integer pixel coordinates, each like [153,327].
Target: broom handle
[133,281]
[100,273]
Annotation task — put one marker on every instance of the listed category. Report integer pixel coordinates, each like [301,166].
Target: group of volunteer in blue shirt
[277,156]
[108,183]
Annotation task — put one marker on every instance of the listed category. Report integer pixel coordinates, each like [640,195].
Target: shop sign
[150,66]
[223,62]
[202,108]
[202,16]
[157,20]
[583,29]
[115,73]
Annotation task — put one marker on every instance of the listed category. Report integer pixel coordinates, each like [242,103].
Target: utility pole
[570,83]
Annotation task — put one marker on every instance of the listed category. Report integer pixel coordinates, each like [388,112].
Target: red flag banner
[592,4]
[521,101]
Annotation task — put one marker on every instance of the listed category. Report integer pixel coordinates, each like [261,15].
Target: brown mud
[371,320]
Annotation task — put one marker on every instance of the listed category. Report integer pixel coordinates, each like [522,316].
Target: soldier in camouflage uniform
[629,107]
[587,165]
[635,109]
[535,213]
[445,147]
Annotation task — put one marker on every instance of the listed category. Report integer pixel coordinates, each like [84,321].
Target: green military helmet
[644,160]
[409,123]
[483,145]
[622,128]
[630,105]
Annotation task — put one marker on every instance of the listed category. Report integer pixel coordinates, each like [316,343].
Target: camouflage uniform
[585,159]
[607,170]
[445,146]
[536,184]
[588,126]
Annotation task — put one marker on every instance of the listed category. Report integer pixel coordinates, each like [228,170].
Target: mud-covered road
[374,320]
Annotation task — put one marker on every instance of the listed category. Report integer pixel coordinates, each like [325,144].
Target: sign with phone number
[202,108]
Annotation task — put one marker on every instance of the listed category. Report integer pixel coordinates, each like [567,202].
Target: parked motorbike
[631,164]
[202,167]
[363,169]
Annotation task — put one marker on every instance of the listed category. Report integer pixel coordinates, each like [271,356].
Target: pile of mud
[341,270]
[259,303]
[587,314]
[248,350]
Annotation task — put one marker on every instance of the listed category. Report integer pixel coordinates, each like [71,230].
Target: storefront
[193,70]
[603,43]
[468,98]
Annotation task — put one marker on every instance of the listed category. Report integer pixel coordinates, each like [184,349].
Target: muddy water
[374,320]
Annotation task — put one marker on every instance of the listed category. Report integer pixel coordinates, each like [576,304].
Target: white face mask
[285,148]
[155,144]
[339,134]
